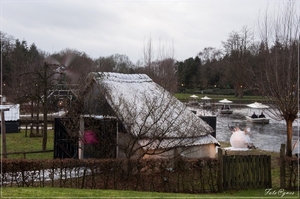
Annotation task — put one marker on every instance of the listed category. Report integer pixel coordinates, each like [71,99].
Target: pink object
[90,137]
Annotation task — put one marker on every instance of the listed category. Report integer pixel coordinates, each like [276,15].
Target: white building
[12,117]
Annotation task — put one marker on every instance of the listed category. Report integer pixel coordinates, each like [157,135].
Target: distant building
[12,117]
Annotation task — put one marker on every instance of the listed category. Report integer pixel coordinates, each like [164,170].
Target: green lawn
[30,192]
[17,142]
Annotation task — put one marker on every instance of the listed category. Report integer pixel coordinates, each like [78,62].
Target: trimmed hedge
[292,173]
[160,175]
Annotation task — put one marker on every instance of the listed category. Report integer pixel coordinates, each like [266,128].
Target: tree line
[234,66]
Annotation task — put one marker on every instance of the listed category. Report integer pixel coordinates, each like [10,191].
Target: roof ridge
[122,77]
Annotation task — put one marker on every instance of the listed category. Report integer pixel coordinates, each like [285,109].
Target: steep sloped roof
[145,107]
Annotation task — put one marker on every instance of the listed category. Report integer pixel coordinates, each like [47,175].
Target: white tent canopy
[194,96]
[225,101]
[257,105]
[206,98]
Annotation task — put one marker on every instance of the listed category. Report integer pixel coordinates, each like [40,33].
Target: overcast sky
[103,28]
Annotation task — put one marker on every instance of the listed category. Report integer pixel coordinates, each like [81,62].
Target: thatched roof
[150,111]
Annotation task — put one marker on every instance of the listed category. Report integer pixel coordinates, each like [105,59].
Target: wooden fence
[25,152]
[228,172]
[244,171]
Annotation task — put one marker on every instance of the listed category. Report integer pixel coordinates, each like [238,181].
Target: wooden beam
[3,131]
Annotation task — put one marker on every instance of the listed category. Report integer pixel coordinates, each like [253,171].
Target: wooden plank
[226,165]
[225,173]
[257,173]
[254,169]
[265,174]
[249,173]
[257,165]
[220,174]
[233,172]
[229,172]
[245,171]
[239,172]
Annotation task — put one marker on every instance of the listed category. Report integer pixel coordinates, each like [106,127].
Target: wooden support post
[220,176]
[282,166]
[117,141]
[3,132]
[80,141]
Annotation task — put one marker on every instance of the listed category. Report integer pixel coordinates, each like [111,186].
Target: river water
[267,137]
[264,136]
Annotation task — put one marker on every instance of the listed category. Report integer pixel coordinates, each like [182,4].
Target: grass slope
[17,142]
[30,192]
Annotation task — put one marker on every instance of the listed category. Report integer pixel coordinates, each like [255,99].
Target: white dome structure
[241,139]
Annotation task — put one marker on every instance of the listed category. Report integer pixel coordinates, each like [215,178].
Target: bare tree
[33,79]
[160,65]
[209,53]
[211,72]
[114,63]
[278,74]
[26,86]
[238,51]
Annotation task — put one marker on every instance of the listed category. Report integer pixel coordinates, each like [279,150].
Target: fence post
[220,176]
[282,166]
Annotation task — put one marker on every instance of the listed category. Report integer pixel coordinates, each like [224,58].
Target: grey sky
[103,28]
